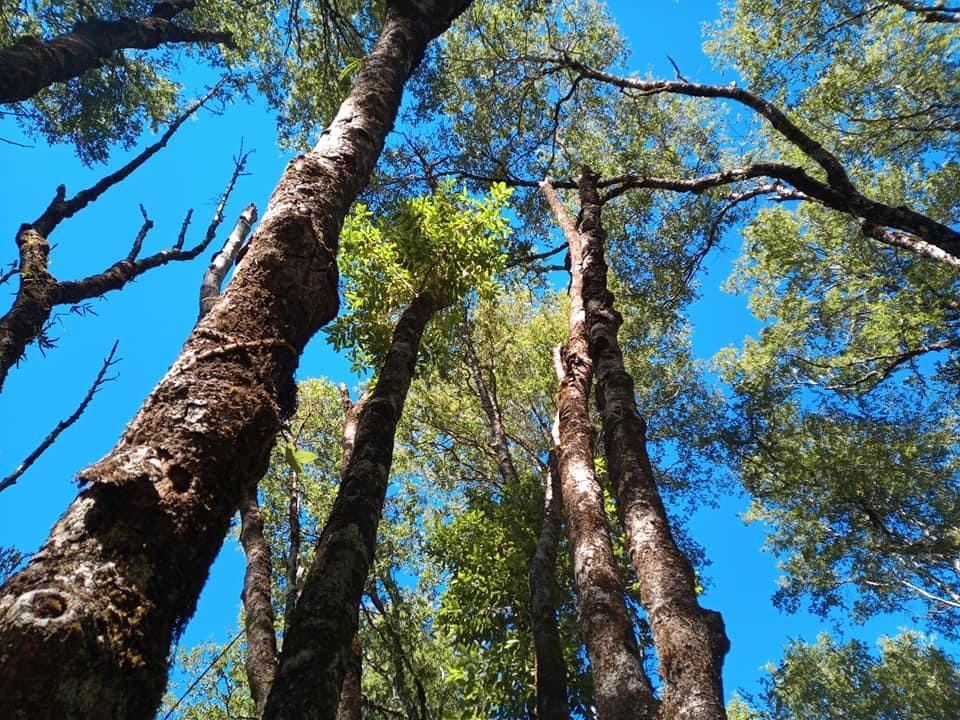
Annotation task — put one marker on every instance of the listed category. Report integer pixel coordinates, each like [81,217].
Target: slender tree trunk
[690,641]
[293,551]
[86,627]
[622,687]
[31,64]
[257,605]
[552,703]
[317,643]
[351,695]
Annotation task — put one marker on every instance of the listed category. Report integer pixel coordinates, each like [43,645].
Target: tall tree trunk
[317,643]
[86,627]
[351,695]
[257,605]
[622,687]
[31,64]
[690,640]
[552,703]
[292,569]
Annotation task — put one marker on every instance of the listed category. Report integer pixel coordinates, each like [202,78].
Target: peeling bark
[31,64]
[552,703]
[317,644]
[257,606]
[223,260]
[86,627]
[622,688]
[690,640]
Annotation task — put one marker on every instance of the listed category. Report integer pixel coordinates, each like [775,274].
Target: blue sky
[153,316]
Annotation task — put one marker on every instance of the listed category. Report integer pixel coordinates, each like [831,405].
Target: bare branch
[98,382]
[60,209]
[224,260]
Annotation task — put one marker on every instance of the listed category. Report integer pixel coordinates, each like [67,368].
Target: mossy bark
[623,691]
[86,627]
[690,640]
[316,648]
[261,661]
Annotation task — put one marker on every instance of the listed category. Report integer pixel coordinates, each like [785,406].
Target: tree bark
[257,605]
[351,696]
[223,260]
[86,627]
[293,552]
[552,703]
[690,640]
[31,64]
[622,688]
[325,619]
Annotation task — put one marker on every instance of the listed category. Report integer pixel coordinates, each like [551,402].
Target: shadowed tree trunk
[622,688]
[317,643]
[690,641]
[257,606]
[552,703]
[31,64]
[351,697]
[86,627]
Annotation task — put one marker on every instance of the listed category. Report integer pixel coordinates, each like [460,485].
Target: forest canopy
[554,359]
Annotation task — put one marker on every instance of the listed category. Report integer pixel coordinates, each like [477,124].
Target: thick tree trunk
[552,703]
[690,641]
[351,695]
[622,688]
[86,627]
[317,643]
[31,64]
[257,605]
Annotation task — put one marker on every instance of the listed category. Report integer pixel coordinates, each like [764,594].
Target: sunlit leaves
[449,244]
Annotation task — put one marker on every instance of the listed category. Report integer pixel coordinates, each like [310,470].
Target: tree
[31,64]
[144,532]
[432,252]
[829,680]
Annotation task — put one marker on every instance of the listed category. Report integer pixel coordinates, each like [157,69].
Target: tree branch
[98,382]
[31,63]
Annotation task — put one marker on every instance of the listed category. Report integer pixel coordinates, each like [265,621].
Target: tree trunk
[690,641]
[257,605]
[552,703]
[31,64]
[351,696]
[622,688]
[325,620]
[293,552]
[86,627]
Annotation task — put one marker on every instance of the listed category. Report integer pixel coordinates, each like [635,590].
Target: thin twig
[64,424]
